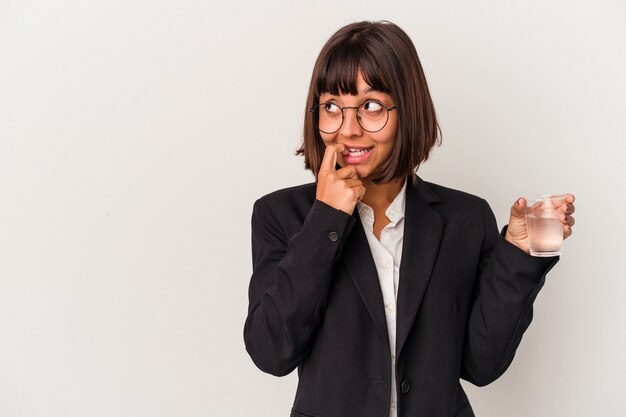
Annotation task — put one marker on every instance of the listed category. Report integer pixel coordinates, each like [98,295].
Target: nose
[350,126]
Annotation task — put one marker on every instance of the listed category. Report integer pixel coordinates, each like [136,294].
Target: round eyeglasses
[372,116]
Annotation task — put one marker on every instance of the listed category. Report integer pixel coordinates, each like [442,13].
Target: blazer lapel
[423,228]
[357,257]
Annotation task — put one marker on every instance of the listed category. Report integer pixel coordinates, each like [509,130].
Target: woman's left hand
[516,232]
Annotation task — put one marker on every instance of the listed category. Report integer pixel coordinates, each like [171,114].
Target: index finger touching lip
[330,156]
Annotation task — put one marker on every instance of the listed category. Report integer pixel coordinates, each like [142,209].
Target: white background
[135,137]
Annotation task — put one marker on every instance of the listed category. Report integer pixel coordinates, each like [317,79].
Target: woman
[381,288]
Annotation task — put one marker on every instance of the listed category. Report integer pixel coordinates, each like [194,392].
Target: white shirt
[387,253]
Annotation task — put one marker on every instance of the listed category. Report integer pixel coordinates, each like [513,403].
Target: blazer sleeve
[507,283]
[290,282]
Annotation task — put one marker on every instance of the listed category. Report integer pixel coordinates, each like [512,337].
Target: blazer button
[405,386]
[333,236]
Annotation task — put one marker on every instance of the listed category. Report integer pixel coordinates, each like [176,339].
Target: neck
[381,195]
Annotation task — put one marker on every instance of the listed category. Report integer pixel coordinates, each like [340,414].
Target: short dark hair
[388,61]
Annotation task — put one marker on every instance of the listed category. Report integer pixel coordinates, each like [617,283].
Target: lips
[357,154]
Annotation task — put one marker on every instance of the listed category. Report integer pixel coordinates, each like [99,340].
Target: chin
[363,172]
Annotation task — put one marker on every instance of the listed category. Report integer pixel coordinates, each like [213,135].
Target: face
[376,147]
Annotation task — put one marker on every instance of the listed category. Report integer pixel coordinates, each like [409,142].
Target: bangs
[338,74]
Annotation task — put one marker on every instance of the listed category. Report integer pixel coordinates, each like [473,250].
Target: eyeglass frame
[343,118]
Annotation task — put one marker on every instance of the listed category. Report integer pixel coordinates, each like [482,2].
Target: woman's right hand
[338,188]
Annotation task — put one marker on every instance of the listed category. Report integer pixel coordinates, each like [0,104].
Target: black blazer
[464,300]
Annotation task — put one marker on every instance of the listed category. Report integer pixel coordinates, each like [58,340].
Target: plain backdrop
[136,135]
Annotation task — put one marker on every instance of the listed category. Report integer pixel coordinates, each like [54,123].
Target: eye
[331,108]
[371,106]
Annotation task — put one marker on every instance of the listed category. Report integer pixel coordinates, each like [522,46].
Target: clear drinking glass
[545,230]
